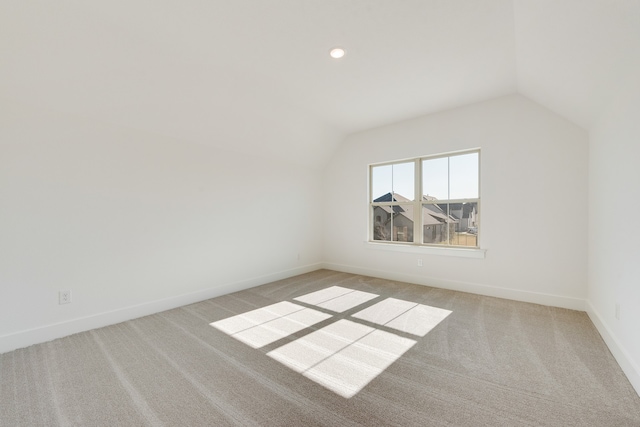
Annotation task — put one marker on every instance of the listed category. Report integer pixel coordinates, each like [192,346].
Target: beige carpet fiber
[326,348]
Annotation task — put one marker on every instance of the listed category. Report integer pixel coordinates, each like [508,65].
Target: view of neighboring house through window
[431,200]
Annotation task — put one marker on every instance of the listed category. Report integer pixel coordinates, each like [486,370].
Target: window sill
[428,250]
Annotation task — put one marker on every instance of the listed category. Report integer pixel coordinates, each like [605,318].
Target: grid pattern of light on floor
[345,355]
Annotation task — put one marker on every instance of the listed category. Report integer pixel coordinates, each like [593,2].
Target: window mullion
[417,204]
[391,223]
[448,224]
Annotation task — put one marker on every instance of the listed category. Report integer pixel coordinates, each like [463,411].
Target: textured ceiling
[256,75]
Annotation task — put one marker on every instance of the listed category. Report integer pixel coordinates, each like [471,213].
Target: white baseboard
[474,288]
[629,367]
[50,332]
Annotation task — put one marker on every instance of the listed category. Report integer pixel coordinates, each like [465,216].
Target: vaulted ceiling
[255,75]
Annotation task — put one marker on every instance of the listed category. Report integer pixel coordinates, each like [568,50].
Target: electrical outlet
[64,297]
[419,262]
[617,311]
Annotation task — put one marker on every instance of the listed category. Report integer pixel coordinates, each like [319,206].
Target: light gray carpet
[490,362]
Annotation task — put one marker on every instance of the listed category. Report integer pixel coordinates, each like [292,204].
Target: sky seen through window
[454,177]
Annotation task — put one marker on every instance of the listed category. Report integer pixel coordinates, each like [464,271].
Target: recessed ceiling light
[337,52]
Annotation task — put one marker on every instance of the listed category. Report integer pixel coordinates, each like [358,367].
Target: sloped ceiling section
[576,56]
[255,75]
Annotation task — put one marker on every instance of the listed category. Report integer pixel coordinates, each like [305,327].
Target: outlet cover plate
[64,297]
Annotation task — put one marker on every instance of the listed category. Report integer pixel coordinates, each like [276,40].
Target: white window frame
[417,205]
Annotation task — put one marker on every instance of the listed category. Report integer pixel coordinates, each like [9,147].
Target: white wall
[614,232]
[134,223]
[534,202]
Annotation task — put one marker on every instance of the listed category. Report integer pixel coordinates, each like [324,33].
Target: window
[432,200]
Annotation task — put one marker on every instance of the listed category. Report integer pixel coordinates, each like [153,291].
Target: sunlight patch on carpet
[343,356]
[337,298]
[265,325]
[405,316]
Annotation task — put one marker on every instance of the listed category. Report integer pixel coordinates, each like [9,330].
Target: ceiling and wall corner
[253,79]
[574,56]
[582,60]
